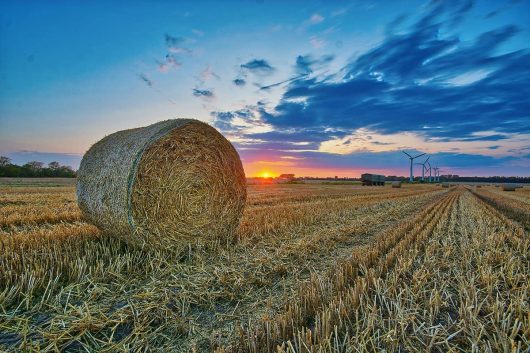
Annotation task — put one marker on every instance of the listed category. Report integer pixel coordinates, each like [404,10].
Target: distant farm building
[372,179]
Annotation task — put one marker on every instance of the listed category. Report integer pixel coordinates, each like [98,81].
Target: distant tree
[54,165]
[65,171]
[4,161]
[34,165]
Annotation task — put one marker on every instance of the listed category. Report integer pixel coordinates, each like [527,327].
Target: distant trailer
[372,179]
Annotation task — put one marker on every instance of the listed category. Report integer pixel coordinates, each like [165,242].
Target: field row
[454,277]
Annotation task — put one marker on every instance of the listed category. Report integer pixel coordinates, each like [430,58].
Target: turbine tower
[430,170]
[440,171]
[411,164]
[436,175]
[424,168]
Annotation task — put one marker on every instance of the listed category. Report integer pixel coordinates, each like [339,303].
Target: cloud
[393,25]
[413,81]
[151,85]
[176,44]
[316,18]
[145,79]
[170,62]
[175,51]
[306,64]
[258,66]
[316,42]
[207,74]
[420,88]
[501,9]
[239,82]
[203,93]
[365,140]
[268,87]
[339,12]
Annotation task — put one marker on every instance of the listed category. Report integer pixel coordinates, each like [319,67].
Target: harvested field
[312,268]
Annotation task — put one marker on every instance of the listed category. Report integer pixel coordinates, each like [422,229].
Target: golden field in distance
[311,268]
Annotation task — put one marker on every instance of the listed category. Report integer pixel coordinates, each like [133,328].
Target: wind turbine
[430,170]
[424,168]
[436,174]
[440,171]
[411,163]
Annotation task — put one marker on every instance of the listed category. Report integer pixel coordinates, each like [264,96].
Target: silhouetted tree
[54,165]
[34,165]
[4,161]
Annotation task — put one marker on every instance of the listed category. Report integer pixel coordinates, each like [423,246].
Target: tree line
[34,169]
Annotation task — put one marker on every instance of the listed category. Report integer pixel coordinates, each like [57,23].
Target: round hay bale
[173,181]
[396,184]
[508,187]
[445,185]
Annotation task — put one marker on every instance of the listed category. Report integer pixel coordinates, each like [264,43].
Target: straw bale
[176,180]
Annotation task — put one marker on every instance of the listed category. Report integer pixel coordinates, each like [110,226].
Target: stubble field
[312,268]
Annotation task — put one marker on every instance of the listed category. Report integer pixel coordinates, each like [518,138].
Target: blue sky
[310,87]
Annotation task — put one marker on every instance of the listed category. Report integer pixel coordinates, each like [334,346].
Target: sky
[314,88]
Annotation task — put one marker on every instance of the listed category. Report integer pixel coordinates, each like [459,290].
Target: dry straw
[173,181]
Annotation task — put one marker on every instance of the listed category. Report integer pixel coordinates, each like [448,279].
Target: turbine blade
[419,155]
[407,154]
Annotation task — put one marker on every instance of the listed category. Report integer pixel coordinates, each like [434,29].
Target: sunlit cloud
[292,157]
[365,140]
[468,78]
